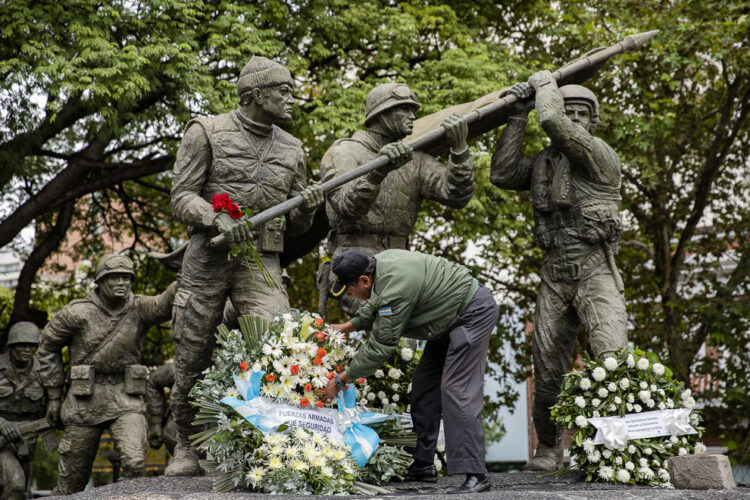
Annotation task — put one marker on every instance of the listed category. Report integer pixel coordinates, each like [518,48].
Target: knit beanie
[262,72]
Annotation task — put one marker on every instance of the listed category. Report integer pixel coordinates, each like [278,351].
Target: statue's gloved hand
[456,131]
[155,438]
[522,91]
[540,78]
[11,432]
[235,230]
[53,412]
[398,154]
[312,197]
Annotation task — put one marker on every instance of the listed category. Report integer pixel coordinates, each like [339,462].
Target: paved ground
[505,486]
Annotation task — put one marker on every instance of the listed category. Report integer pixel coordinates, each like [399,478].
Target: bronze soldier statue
[245,154]
[378,211]
[104,333]
[575,192]
[161,427]
[21,395]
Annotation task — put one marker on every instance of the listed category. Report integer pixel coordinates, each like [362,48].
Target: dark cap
[347,268]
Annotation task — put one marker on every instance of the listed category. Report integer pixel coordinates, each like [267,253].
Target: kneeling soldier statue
[575,191]
[20,402]
[104,333]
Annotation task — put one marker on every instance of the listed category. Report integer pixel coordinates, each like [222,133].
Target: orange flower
[322,352]
[304,402]
[330,375]
[317,361]
[361,380]
[339,368]
[294,369]
[319,404]
[271,377]
[308,387]
[319,322]
[320,336]
[244,366]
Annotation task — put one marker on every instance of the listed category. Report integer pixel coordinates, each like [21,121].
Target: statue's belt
[372,240]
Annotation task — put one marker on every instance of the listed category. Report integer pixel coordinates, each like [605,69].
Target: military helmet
[23,332]
[114,263]
[386,96]
[577,93]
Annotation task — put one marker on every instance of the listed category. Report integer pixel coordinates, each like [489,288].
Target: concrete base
[701,472]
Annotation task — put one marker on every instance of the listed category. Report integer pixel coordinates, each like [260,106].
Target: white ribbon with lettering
[614,432]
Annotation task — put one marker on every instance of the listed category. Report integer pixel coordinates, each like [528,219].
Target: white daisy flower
[682,451]
[618,460]
[610,363]
[647,450]
[637,408]
[653,387]
[407,354]
[631,361]
[624,383]
[663,475]
[395,373]
[585,384]
[642,364]
[631,449]
[396,397]
[381,395]
[629,465]
[580,402]
[599,373]
[326,471]
[338,454]
[606,472]
[686,394]
[298,465]
[594,457]
[650,403]
[588,445]
[643,385]
[379,374]
[643,462]
[363,402]
[595,402]
[394,386]
[581,421]
[602,392]
[606,454]
[646,472]
[273,348]
[618,400]
[611,387]
[644,395]
[371,397]
[689,402]
[256,475]
[275,463]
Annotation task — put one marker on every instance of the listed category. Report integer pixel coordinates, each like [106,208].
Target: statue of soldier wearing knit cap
[245,154]
[575,192]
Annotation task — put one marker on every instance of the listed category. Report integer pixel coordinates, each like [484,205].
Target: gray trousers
[449,381]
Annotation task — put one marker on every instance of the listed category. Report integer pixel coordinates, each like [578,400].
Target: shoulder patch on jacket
[385,311]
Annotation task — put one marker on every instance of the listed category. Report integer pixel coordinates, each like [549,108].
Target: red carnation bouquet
[222,202]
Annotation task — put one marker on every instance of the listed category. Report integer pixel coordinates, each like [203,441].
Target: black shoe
[424,473]
[472,485]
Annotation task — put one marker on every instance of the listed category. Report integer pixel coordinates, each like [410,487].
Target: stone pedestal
[701,472]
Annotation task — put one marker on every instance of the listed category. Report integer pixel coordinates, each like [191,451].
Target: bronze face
[276,102]
[579,113]
[115,286]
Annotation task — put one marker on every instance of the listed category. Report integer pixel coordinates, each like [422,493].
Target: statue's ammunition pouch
[271,235]
[82,380]
[135,379]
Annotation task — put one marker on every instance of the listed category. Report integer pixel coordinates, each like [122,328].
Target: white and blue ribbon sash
[347,424]
[615,432]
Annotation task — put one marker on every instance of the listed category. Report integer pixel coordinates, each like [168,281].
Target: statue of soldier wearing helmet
[378,211]
[21,394]
[104,333]
[575,192]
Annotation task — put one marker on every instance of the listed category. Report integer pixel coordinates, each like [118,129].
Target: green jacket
[415,295]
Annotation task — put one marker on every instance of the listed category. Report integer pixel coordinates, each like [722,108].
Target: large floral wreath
[282,364]
[639,392]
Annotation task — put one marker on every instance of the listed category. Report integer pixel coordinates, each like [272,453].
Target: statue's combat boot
[185,462]
[547,458]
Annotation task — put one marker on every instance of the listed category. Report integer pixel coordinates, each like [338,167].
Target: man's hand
[155,438]
[235,230]
[329,392]
[524,104]
[540,78]
[11,432]
[347,327]
[53,412]
[456,131]
[312,197]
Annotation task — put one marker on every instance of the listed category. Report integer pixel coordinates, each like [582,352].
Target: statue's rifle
[28,429]
[479,121]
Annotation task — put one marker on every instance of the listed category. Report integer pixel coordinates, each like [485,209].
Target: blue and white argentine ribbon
[347,425]
[614,432]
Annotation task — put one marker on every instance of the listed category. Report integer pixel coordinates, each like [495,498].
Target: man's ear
[257,96]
